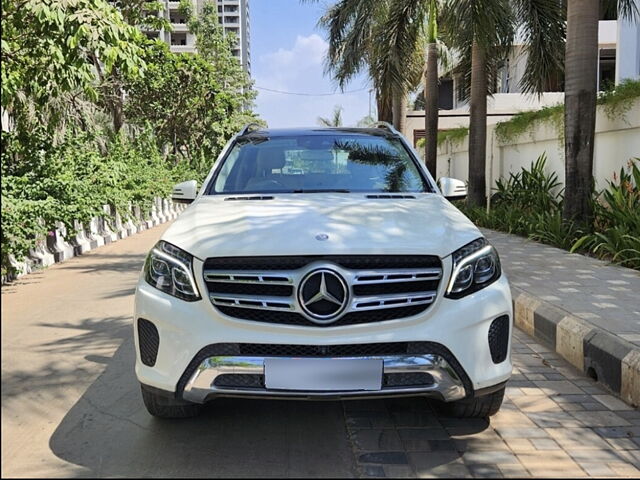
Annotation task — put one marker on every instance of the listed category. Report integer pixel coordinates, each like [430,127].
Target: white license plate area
[323,374]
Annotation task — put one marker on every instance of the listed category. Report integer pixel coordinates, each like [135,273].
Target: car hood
[321,224]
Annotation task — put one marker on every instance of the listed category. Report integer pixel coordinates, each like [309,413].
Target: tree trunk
[399,106]
[581,67]
[431,109]
[478,128]
[383,101]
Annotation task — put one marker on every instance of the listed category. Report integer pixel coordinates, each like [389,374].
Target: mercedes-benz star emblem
[323,295]
[322,237]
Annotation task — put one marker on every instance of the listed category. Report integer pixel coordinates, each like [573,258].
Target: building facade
[233,15]
[619,59]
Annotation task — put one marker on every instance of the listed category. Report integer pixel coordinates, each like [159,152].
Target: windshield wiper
[321,190]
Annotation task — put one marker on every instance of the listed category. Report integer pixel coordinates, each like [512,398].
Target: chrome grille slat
[408,291]
[249,301]
[392,301]
[406,275]
[272,277]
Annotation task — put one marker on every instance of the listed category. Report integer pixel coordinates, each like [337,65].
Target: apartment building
[233,15]
[619,59]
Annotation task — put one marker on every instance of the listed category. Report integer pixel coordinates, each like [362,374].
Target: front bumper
[186,328]
[444,383]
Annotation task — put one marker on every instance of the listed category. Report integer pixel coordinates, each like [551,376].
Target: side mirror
[185,192]
[452,189]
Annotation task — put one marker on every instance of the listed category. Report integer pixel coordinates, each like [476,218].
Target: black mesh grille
[240,380]
[355,350]
[356,262]
[499,339]
[292,318]
[409,379]
[149,341]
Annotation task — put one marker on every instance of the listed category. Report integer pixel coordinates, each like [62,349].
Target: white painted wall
[616,141]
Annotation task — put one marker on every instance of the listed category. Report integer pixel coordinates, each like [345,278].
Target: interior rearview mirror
[452,188]
[185,192]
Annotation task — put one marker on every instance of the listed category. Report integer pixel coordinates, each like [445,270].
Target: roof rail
[387,126]
[250,127]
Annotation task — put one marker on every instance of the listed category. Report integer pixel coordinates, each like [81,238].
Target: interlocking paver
[549,425]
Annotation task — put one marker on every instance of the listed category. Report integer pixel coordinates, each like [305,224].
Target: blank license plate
[323,374]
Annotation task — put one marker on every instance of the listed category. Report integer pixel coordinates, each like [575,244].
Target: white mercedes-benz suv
[322,264]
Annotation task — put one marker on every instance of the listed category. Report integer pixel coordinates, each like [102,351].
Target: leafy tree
[49,49]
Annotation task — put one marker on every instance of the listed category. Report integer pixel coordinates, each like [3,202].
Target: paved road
[71,405]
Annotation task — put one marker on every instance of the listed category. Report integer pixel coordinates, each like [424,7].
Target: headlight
[169,269]
[475,266]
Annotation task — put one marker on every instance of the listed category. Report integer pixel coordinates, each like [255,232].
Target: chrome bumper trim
[447,383]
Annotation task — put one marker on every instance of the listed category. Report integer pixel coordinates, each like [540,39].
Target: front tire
[476,407]
[162,406]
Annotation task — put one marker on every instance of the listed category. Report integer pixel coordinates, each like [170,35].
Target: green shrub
[73,180]
[529,203]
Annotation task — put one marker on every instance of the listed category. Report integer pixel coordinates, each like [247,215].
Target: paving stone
[391,458]
[545,444]
[447,465]
[415,419]
[376,439]
[399,471]
[596,469]
[519,445]
[554,387]
[601,455]
[554,419]
[600,419]
[624,469]
[489,457]
[531,403]
[516,432]
[618,432]
[374,471]
[624,443]
[422,439]
[577,438]
[484,471]
[550,464]
[611,402]
[514,471]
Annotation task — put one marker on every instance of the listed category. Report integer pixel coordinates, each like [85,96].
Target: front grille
[263,289]
[499,339]
[409,379]
[149,341]
[355,350]
[240,380]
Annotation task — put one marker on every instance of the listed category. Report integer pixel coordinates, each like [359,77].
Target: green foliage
[619,100]
[73,180]
[50,47]
[511,129]
[453,135]
[615,103]
[617,212]
[335,120]
[530,203]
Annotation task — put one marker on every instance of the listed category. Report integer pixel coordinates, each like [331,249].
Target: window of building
[178,38]
[606,68]
[229,8]
[231,19]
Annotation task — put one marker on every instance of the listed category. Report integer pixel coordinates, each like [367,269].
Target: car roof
[293,132]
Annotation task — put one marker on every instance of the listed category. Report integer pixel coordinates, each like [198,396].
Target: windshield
[318,163]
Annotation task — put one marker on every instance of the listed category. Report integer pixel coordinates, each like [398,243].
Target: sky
[287,54]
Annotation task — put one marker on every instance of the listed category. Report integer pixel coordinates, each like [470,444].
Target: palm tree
[581,64]
[431,92]
[358,43]
[335,120]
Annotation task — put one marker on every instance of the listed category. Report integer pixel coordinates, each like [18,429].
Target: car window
[292,164]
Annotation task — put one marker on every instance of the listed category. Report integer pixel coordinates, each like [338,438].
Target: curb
[611,360]
[58,246]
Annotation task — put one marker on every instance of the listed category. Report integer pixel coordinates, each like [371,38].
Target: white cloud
[300,69]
